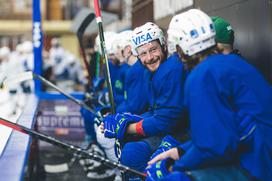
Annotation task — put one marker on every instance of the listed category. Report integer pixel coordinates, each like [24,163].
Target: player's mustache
[152,61]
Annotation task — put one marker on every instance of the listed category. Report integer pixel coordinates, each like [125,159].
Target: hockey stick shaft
[48,83]
[68,147]
[89,18]
[30,75]
[104,54]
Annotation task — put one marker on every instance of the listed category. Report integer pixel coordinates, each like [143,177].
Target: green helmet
[224,31]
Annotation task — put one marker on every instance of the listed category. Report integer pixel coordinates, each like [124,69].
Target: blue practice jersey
[135,87]
[230,108]
[165,94]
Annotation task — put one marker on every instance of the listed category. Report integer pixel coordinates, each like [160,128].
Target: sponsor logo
[60,121]
[143,38]
[37,34]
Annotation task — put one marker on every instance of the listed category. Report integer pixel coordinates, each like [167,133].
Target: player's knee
[136,155]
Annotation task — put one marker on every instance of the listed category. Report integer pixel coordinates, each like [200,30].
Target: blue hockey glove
[159,169]
[167,143]
[128,119]
[133,117]
[115,125]
[109,126]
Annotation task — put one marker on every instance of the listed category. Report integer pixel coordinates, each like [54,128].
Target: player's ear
[164,48]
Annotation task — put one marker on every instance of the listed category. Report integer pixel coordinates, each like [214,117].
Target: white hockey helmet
[4,52]
[192,30]
[19,48]
[27,47]
[145,34]
[109,42]
[123,39]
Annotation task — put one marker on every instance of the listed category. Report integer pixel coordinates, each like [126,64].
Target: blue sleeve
[118,90]
[168,108]
[122,107]
[118,97]
[117,82]
[136,100]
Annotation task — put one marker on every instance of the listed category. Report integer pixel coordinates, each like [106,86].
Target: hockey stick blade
[85,24]
[71,148]
[80,32]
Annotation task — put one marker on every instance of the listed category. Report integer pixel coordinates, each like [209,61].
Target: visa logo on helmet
[140,39]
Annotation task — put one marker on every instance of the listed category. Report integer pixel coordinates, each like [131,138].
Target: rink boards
[59,118]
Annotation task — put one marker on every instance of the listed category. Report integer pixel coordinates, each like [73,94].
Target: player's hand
[167,143]
[172,153]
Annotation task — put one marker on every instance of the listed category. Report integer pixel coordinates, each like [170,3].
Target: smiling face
[151,55]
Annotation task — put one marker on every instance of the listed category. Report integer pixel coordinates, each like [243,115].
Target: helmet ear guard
[192,30]
[145,34]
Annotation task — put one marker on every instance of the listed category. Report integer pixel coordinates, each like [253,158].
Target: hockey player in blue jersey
[230,109]
[165,92]
[135,98]
[88,117]
[224,44]
[118,69]
[93,137]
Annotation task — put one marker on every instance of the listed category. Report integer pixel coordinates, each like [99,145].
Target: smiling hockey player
[165,92]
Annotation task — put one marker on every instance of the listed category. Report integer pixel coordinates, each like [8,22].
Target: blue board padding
[15,156]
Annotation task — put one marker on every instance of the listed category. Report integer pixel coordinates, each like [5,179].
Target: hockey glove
[109,126]
[167,143]
[115,125]
[159,169]
[133,117]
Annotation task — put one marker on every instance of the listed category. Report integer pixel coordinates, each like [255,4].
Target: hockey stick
[71,148]
[103,49]
[30,75]
[80,33]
